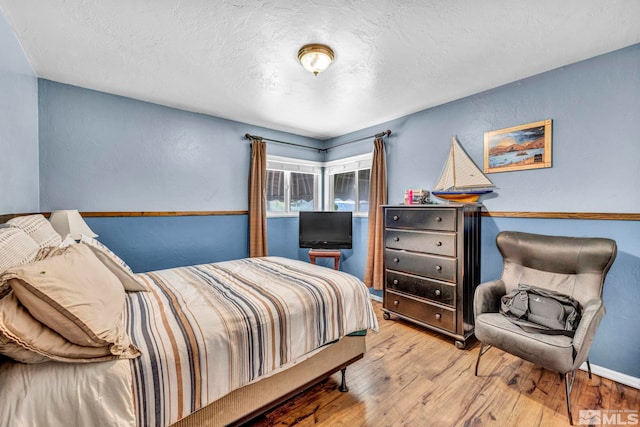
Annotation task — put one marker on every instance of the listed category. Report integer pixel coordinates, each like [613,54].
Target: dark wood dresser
[432,265]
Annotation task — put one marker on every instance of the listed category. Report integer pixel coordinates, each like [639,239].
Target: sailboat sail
[461,180]
[460,171]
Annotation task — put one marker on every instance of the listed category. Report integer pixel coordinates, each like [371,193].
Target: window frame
[323,184]
[347,164]
[289,165]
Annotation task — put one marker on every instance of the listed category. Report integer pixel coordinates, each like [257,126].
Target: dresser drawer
[436,267]
[441,292]
[421,241]
[424,219]
[420,310]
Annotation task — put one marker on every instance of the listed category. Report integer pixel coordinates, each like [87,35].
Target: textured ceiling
[237,59]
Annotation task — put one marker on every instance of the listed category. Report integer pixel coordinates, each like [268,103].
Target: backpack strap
[535,328]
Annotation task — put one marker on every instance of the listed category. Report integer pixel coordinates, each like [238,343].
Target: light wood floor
[413,377]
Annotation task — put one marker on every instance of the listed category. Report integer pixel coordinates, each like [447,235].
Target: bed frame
[247,402]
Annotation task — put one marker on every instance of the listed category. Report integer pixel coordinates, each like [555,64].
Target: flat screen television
[325,230]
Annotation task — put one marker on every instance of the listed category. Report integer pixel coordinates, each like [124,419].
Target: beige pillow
[117,266]
[38,228]
[75,295]
[24,339]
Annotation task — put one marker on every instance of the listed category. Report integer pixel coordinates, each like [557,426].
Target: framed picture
[518,147]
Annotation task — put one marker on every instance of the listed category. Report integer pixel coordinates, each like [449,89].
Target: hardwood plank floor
[411,376]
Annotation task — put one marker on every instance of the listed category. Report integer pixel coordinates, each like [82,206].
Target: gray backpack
[541,310]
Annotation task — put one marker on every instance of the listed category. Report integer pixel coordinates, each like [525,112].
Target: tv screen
[325,230]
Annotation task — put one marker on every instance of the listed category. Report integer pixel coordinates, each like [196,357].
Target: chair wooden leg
[568,385]
[480,353]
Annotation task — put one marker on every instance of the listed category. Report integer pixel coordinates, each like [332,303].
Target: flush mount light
[315,57]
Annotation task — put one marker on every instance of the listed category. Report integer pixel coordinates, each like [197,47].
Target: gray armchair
[574,266]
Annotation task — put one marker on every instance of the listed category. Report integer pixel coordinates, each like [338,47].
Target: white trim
[294,165]
[375,297]
[618,377]
[349,164]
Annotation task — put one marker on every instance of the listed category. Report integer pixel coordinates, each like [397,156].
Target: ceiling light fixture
[315,57]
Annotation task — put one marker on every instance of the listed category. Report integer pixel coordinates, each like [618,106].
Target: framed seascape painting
[518,147]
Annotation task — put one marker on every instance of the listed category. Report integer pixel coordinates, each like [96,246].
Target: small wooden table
[326,253]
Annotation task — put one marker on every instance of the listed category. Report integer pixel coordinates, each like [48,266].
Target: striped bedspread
[206,330]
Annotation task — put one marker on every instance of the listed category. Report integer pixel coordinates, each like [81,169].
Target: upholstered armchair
[574,266]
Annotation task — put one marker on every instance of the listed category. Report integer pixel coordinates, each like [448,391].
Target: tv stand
[326,253]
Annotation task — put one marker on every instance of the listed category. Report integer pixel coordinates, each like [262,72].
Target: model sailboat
[461,180]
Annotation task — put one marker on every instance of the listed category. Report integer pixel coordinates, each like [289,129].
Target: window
[347,181]
[292,185]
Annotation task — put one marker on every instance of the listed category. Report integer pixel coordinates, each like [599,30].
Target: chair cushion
[553,352]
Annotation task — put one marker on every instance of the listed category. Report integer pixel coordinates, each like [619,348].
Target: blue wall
[102,152]
[155,243]
[18,126]
[595,107]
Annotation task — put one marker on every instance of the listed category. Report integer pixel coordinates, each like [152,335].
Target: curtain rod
[377,135]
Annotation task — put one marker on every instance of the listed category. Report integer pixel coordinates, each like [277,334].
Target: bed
[211,344]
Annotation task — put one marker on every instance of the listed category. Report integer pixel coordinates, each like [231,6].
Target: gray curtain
[374,271]
[257,199]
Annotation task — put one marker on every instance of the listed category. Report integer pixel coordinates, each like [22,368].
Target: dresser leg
[461,344]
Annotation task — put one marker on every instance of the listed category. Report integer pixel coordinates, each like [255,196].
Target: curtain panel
[374,271]
[257,199]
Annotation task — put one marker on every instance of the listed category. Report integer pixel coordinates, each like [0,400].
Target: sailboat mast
[453,156]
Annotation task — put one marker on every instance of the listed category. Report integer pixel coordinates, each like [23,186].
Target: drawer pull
[438,292]
[396,302]
[438,243]
[396,239]
[396,217]
[395,281]
[438,316]
[396,260]
[438,219]
[438,268]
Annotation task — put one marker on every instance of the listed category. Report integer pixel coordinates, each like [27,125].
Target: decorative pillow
[74,294]
[24,339]
[38,228]
[117,266]
[16,248]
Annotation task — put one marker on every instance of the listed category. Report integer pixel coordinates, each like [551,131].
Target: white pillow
[38,228]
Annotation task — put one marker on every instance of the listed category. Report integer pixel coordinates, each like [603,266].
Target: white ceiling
[237,59]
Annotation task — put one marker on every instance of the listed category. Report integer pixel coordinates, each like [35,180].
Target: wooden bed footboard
[254,399]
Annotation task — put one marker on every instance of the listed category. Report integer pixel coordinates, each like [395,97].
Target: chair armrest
[487,297]
[592,314]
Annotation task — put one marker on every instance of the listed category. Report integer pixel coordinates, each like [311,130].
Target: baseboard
[613,375]
[375,297]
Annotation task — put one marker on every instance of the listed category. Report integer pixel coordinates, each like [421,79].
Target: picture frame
[517,148]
